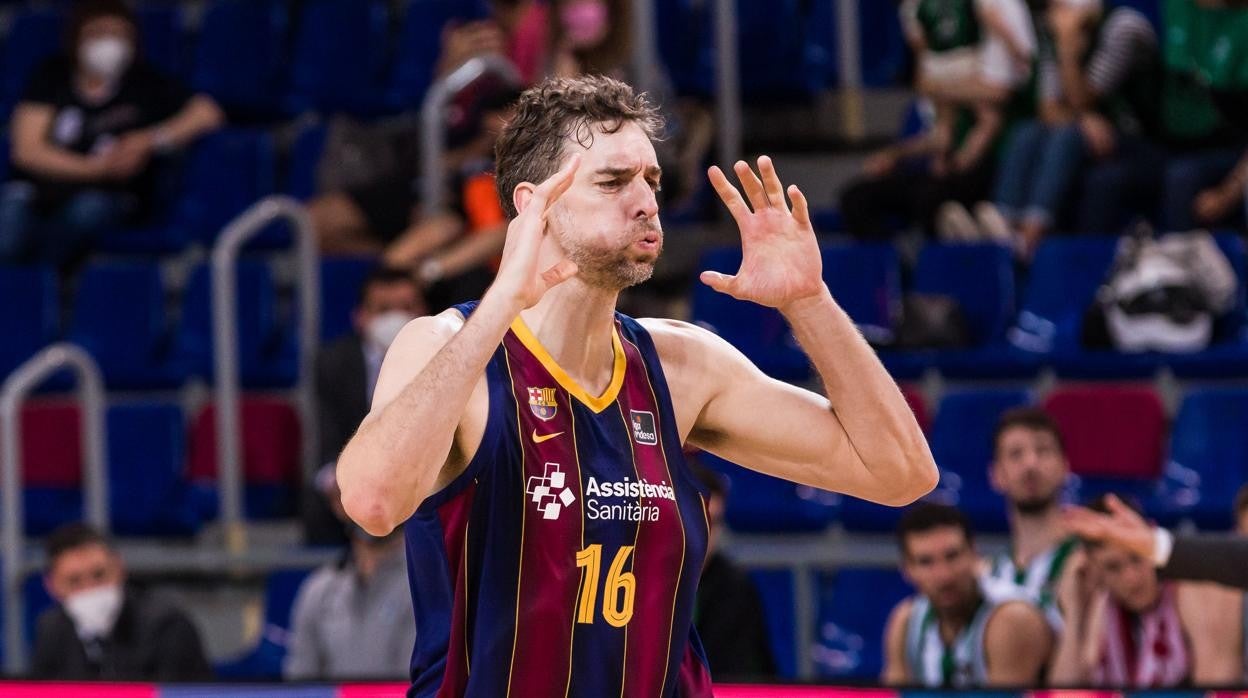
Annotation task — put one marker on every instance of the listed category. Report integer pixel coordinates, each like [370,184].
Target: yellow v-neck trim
[597,404]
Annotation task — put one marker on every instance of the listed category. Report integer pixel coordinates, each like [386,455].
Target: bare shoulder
[897,619]
[1017,616]
[680,342]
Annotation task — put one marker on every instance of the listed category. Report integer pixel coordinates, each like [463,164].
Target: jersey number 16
[621,587]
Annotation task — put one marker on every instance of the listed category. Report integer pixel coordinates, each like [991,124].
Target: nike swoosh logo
[546,437]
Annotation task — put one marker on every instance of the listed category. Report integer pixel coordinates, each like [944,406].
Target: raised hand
[1121,527]
[780,262]
[519,279]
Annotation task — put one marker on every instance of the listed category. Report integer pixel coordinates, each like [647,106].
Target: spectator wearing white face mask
[99,629]
[346,372]
[87,136]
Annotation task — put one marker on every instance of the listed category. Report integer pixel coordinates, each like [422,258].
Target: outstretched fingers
[750,183]
[728,194]
[771,182]
[720,282]
[801,208]
[549,191]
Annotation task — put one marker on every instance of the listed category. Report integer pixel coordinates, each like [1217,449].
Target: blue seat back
[1061,285]
[119,317]
[29,313]
[420,40]
[305,159]
[256,318]
[339,55]
[980,278]
[227,172]
[164,44]
[341,281]
[1209,447]
[865,279]
[147,470]
[775,589]
[853,608]
[762,503]
[240,54]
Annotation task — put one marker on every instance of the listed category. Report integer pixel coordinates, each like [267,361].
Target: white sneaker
[955,224]
[993,223]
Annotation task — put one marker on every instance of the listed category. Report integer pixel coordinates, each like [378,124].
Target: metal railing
[727,83]
[225,341]
[433,122]
[13,394]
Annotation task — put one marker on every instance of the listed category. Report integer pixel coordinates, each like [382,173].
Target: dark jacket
[731,623]
[152,641]
[1219,558]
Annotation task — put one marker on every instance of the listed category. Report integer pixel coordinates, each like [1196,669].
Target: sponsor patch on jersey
[550,491]
[643,428]
[542,403]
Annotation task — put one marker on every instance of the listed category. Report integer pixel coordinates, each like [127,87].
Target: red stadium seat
[270,443]
[918,405]
[51,445]
[1110,431]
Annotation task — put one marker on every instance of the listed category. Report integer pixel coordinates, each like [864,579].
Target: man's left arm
[862,439]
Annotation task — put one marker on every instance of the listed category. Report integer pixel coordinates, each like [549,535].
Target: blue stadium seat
[149,492]
[961,443]
[119,318]
[1062,282]
[305,158]
[266,346]
[853,608]
[759,332]
[765,504]
[341,280]
[339,57]
[34,35]
[783,63]
[884,52]
[980,278]
[1208,459]
[685,33]
[225,173]
[865,279]
[420,40]
[775,588]
[240,56]
[264,660]
[164,43]
[29,314]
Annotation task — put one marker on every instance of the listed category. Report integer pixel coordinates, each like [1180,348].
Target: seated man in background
[1127,628]
[1029,469]
[346,372]
[86,138]
[353,619]
[729,612]
[99,629]
[958,632]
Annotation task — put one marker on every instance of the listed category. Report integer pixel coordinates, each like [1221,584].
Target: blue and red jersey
[564,560]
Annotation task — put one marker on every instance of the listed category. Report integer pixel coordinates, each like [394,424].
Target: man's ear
[522,195]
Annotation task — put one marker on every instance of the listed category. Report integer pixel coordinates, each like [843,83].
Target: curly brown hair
[531,146]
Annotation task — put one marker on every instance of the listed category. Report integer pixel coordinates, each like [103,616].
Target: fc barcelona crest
[542,402]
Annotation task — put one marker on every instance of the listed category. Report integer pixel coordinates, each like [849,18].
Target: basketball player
[531,442]
[1029,468]
[958,632]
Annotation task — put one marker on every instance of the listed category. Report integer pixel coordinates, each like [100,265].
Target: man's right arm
[430,402]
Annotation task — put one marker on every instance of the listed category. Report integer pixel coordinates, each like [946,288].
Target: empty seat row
[161,471]
[1117,438]
[1016,326]
[120,315]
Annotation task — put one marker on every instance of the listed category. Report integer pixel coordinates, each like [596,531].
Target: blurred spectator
[972,55]
[729,611]
[1029,469]
[1098,93]
[100,629]
[451,253]
[88,137]
[516,29]
[346,372]
[1126,628]
[957,632]
[590,36]
[353,619]
[1206,190]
